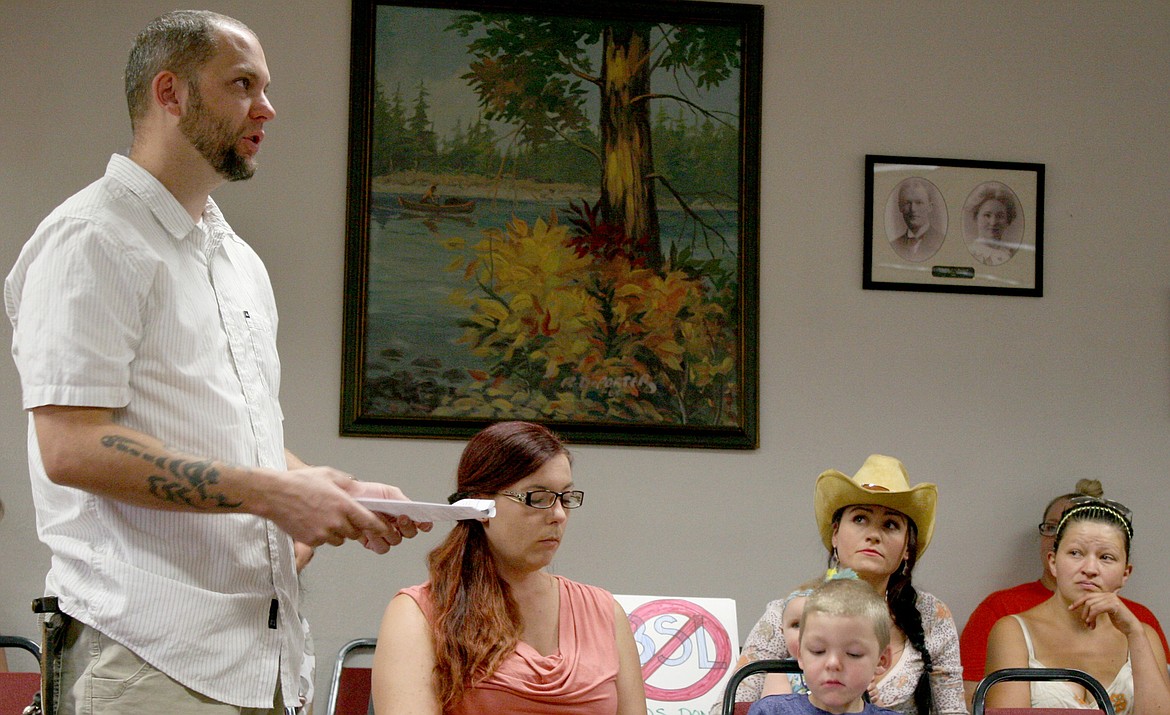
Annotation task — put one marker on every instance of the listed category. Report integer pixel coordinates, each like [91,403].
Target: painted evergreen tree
[538,72]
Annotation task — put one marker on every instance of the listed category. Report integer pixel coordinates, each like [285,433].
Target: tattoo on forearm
[179,481]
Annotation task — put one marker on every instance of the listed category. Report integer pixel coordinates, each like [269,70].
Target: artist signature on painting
[612,385]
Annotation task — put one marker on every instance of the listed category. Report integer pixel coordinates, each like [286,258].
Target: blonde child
[844,643]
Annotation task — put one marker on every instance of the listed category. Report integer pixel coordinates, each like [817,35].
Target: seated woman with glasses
[492,630]
[1084,624]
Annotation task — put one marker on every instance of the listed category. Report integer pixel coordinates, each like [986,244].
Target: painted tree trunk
[627,192]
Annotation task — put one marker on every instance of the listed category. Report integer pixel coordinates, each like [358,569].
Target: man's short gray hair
[181,41]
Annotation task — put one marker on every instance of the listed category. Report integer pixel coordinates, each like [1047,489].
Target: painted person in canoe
[429,203]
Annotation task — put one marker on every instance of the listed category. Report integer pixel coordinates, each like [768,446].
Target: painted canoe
[457,207]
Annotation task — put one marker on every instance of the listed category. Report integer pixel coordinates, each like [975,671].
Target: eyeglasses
[545,498]
[1048,528]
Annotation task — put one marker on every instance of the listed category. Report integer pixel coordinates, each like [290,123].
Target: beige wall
[1001,401]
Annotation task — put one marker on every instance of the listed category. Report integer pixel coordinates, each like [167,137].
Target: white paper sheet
[429,511]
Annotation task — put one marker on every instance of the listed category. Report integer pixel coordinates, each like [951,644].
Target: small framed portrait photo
[953,225]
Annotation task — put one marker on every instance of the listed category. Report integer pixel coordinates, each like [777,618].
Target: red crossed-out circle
[696,618]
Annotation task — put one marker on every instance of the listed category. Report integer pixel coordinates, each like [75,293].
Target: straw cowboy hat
[883,481]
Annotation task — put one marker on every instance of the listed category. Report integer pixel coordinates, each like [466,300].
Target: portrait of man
[917,221]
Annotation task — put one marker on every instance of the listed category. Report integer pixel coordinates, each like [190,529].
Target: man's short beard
[215,139]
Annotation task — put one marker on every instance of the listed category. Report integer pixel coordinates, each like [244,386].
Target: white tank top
[1057,694]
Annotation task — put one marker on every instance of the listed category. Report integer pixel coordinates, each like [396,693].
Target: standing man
[921,239]
[144,331]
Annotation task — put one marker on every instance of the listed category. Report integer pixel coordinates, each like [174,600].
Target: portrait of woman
[992,226]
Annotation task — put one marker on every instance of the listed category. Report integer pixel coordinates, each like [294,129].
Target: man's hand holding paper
[400,525]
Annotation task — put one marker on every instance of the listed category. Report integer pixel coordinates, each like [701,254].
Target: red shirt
[973,641]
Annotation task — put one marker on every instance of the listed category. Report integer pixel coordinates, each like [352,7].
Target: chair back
[1091,684]
[349,690]
[17,689]
[773,665]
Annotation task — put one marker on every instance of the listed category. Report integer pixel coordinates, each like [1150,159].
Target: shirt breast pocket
[262,341]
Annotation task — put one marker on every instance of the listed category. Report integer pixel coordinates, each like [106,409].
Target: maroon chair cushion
[17,690]
[353,691]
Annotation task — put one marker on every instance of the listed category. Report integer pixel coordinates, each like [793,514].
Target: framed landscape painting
[553,216]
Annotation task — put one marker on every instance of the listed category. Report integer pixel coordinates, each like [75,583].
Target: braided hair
[903,601]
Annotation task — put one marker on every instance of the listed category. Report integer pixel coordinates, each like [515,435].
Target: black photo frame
[953,226]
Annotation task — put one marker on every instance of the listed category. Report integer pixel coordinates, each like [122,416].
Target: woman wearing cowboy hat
[876,524]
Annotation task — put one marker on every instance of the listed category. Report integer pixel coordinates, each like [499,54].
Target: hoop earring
[833,560]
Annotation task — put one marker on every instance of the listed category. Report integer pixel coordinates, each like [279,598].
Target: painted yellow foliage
[570,336]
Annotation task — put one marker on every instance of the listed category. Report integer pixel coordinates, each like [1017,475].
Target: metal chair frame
[21,642]
[1091,684]
[339,665]
[772,665]
[15,685]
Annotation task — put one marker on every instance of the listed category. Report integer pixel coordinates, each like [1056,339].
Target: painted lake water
[409,317]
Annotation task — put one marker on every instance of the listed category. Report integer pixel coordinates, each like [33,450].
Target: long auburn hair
[902,599]
[476,620]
